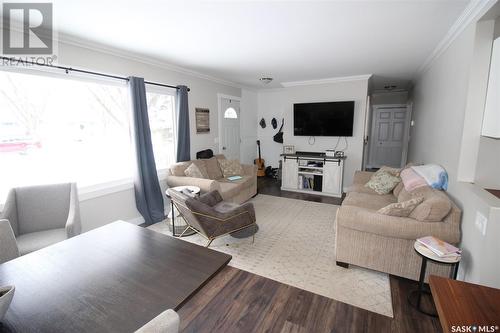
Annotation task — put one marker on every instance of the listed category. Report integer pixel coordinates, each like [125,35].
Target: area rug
[295,246]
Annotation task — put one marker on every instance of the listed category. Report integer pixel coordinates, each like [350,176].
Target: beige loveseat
[385,243]
[237,191]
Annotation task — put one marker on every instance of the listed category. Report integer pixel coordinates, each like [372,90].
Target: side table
[195,191]
[415,297]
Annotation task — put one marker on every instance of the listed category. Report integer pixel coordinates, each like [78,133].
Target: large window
[161,121]
[55,129]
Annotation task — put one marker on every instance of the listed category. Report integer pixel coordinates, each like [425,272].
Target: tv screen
[323,119]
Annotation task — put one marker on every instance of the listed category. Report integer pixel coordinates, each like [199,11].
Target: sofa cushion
[213,168]
[202,166]
[368,201]
[177,169]
[34,241]
[435,207]
[230,167]
[364,220]
[398,189]
[383,182]
[402,209]
[360,188]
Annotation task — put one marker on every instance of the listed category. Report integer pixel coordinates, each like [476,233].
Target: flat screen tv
[323,119]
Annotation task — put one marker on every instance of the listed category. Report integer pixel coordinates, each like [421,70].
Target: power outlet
[481,223]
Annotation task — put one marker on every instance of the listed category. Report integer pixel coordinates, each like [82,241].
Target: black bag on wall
[278,137]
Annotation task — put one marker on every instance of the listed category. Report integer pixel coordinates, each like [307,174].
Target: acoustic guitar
[261,169]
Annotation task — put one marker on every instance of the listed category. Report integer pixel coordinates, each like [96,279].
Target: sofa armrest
[362,177]
[205,185]
[249,169]
[368,221]
[8,244]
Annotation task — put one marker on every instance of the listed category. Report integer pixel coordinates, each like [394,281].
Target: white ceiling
[241,41]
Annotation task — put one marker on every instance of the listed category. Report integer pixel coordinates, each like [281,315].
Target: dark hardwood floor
[271,186]
[238,301]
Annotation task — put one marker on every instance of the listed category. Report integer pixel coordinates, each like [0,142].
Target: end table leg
[421,281]
[173,217]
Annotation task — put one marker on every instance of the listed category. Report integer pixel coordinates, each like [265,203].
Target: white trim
[220,115]
[75,41]
[474,10]
[326,81]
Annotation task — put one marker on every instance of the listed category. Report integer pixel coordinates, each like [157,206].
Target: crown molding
[97,47]
[474,9]
[326,81]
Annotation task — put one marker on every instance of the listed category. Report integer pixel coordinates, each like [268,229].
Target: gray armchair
[212,217]
[8,245]
[166,322]
[42,215]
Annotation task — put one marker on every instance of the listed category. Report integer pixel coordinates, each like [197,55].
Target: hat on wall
[274,122]
[262,123]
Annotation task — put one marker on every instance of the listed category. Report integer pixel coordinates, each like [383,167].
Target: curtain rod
[70,69]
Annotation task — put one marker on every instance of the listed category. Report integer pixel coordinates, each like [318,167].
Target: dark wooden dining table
[114,278]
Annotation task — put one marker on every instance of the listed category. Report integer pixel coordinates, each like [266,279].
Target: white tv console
[313,174]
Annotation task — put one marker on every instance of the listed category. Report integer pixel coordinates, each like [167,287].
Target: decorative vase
[6,295]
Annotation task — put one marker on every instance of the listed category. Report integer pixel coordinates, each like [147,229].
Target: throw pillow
[178,169]
[383,182]
[391,170]
[201,165]
[231,168]
[412,180]
[213,168]
[193,171]
[402,209]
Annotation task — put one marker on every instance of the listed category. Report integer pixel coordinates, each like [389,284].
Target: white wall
[121,205]
[439,103]
[248,126]
[278,103]
[399,97]
[488,162]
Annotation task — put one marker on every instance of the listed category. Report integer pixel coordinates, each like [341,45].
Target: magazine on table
[439,247]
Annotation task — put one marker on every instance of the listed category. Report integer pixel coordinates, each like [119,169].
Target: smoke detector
[266,80]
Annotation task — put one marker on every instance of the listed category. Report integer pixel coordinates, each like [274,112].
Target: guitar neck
[258,145]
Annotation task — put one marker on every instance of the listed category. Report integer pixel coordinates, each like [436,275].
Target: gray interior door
[389,136]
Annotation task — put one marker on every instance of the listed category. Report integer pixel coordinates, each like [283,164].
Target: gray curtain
[148,196]
[183,135]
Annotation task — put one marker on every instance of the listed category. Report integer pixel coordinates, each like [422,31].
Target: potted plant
[6,295]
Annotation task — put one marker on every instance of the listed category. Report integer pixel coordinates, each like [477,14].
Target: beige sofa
[237,191]
[385,243]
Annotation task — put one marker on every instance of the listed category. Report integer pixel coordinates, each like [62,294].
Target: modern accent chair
[8,245]
[166,322]
[42,215]
[211,217]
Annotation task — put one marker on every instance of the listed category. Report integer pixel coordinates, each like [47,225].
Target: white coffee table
[195,190]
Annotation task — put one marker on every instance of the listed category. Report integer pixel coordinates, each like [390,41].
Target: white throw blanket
[435,175]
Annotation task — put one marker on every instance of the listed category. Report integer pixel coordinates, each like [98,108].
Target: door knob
[223,148]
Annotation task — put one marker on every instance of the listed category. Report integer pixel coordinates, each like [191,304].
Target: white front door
[389,136]
[230,128]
